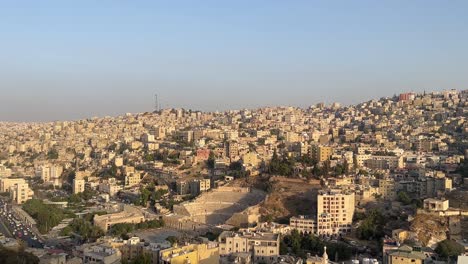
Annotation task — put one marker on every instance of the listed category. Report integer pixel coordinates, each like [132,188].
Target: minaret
[325,256]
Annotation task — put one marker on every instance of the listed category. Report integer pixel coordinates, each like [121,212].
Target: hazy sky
[77,59]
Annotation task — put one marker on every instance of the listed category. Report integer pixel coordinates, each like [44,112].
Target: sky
[67,60]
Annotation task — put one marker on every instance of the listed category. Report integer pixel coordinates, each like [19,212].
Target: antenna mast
[156,103]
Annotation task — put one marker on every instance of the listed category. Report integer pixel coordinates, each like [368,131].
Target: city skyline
[68,61]
[161,106]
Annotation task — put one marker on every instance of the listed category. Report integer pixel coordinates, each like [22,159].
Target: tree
[52,154]
[172,239]
[8,256]
[372,226]
[47,216]
[404,198]
[211,160]
[449,249]
[140,259]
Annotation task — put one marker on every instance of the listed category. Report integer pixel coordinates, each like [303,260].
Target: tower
[156,103]
[325,256]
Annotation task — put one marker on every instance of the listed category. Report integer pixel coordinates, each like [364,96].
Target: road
[12,227]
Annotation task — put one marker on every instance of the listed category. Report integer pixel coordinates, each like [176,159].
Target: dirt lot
[289,197]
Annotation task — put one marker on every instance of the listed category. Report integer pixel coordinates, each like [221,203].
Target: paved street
[10,226]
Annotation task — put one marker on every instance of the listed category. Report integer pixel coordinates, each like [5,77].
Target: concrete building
[110,187]
[20,193]
[199,185]
[132,179]
[321,153]
[404,255]
[78,186]
[264,247]
[303,224]
[6,183]
[183,187]
[232,149]
[51,174]
[193,253]
[431,204]
[387,189]
[135,247]
[4,171]
[335,210]
[101,254]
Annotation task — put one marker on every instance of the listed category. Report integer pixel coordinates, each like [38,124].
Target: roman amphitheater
[224,205]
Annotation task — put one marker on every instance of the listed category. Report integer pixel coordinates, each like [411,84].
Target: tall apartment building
[159,132]
[321,153]
[264,247]
[335,210]
[50,174]
[198,134]
[290,118]
[78,186]
[20,193]
[232,149]
[387,189]
[182,187]
[6,183]
[186,136]
[199,185]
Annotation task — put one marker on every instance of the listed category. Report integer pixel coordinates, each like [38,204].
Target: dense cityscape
[382,181]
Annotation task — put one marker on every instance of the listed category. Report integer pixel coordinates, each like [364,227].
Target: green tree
[52,154]
[449,249]
[172,239]
[404,198]
[8,256]
[372,226]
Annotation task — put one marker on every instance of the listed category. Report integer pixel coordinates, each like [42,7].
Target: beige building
[135,247]
[436,204]
[321,153]
[303,224]
[264,247]
[6,183]
[384,162]
[20,193]
[132,179]
[251,158]
[199,185]
[387,189]
[118,161]
[193,253]
[51,174]
[232,149]
[101,254]
[404,255]
[78,186]
[110,187]
[335,210]
[4,171]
